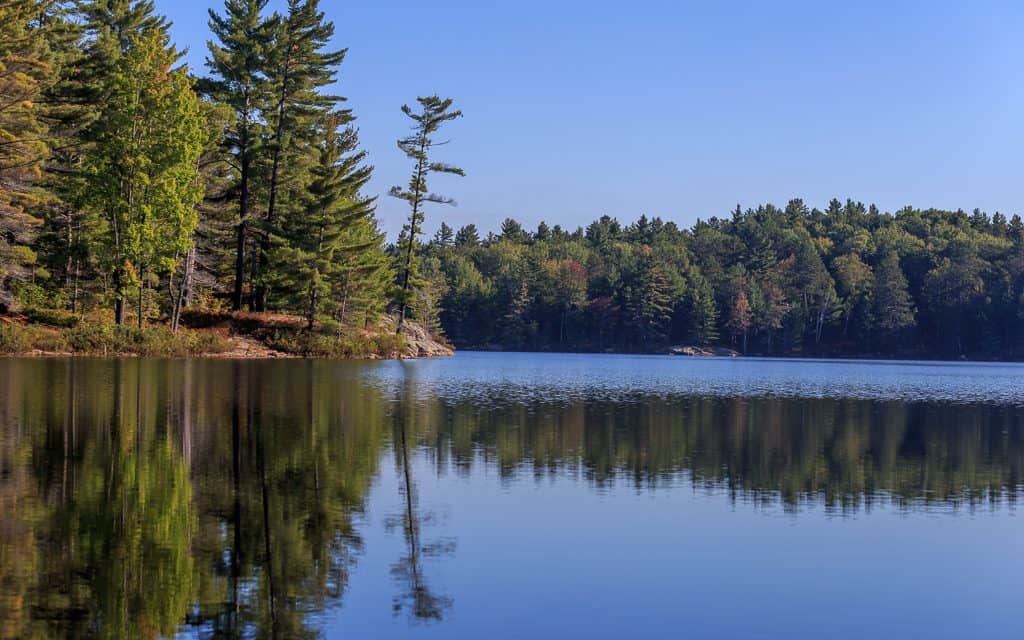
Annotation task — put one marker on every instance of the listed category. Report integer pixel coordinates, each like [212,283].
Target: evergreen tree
[298,67]
[25,72]
[316,238]
[512,231]
[647,301]
[892,307]
[364,277]
[238,61]
[467,236]
[444,238]
[703,312]
[434,112]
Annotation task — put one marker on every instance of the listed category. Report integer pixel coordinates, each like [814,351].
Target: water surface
[510,496]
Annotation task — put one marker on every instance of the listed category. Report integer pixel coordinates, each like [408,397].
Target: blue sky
[682,109]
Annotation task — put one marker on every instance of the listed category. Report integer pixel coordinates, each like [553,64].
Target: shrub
[92,338]
[110,339]
[53,317]
[52,341]
[317,344]
[16,338]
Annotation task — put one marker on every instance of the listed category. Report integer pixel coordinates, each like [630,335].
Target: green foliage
[139,175]
[331,344]
[238,60]
[18,339]
[26,70]
[119,185]
[51,317]
[848,280]
[320,241]
[108,339]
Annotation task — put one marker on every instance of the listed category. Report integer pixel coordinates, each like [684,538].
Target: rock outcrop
[418,341]
[686,350]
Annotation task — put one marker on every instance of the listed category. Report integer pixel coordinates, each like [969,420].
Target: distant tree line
[846,280]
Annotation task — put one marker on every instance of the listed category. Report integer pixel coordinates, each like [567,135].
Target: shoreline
[218,336]
[907,358]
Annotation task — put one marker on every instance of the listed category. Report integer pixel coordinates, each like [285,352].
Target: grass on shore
[109,339]
[48,331]
[290,335]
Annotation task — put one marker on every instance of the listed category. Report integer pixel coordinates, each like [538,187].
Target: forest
[133,188]
[846,280]
[136,192]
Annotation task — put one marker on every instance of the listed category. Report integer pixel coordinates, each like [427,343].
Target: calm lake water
[511,496]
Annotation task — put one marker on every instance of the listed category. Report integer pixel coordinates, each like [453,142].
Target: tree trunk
[417,196]
[243,214]
[180,300]
[74,290]
[118,297]
[142,291]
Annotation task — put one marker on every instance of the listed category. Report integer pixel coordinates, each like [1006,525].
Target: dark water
[511,496]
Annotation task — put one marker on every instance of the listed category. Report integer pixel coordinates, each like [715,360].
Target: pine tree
[702,311]
[238,62]
[364,277]
[298,68]
[512,231]
[434,112]
[467,236]
[648,301]
[25,71]
[315,238]
[892,307]
[444,238]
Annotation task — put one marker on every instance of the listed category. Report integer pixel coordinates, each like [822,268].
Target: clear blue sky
[684,109]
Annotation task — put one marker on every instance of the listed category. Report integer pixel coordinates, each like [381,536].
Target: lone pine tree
[434,112]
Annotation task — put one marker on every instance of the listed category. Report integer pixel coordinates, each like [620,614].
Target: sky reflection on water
[510,496]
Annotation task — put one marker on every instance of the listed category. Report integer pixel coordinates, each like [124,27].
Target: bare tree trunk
[180,300]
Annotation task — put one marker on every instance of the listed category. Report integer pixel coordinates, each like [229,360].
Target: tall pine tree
[316,238]
[25,71]
[238,62]
[299,67]
[434,112]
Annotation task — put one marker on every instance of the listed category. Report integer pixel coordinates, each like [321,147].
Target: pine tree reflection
[417,597]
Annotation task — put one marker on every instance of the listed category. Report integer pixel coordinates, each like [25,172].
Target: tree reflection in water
[417,598]
[139,498]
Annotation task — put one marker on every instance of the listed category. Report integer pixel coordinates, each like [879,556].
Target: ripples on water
[510,495]
[528,378]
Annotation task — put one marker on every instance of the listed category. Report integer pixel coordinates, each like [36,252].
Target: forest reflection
[143,498]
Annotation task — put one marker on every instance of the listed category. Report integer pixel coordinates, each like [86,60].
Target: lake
[511,496]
